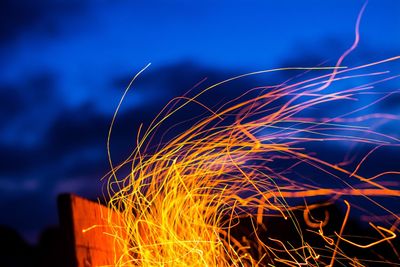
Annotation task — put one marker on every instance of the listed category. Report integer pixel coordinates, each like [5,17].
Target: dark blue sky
[64,65]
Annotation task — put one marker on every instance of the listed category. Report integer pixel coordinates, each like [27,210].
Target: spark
[183,198]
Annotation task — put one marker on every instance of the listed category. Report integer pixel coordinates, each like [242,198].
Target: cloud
[42,16]
[68,151]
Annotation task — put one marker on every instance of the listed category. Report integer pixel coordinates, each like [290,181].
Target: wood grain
[88,235]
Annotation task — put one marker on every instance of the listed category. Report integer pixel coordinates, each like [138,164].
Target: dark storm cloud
[74,139]
[69,153]
[75,128]
[26,108]
[17,17]
[11,102]
[28,93]
[15,161]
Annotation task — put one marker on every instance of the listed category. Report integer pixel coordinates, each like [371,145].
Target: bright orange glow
[181,200]
[184,199]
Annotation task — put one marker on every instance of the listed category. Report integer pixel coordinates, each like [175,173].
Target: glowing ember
[184,199]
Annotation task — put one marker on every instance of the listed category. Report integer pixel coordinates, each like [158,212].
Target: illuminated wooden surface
[88,239]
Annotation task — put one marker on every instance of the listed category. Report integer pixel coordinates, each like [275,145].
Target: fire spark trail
[186,200]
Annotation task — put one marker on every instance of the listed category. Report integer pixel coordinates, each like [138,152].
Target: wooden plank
[87,232]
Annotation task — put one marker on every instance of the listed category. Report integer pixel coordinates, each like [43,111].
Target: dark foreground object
[277,228]
[15,252]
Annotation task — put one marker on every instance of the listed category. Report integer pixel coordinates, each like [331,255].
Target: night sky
[65,64]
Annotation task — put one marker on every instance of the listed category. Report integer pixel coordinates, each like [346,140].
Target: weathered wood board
[88,239]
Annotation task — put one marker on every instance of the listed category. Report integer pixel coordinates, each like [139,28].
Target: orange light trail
[183,198]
